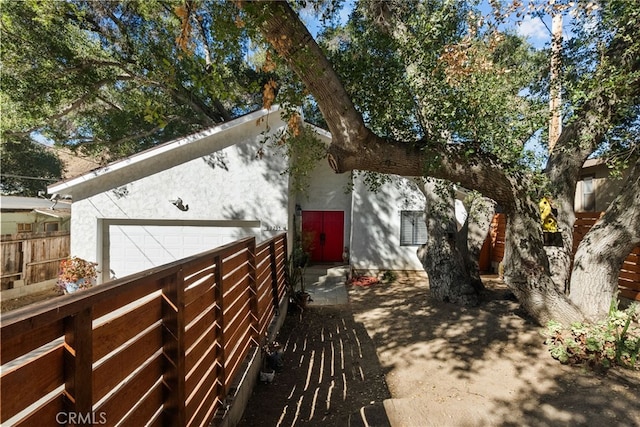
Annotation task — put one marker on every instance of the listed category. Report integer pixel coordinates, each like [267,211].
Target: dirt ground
[394,357]
[14,303]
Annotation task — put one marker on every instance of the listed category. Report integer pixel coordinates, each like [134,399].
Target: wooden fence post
[285,251]
[253,288]
[174,348]
[27,254]
[219,296]
[273,266]
[78,359]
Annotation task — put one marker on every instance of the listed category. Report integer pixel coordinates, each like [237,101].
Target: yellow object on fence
[547,218]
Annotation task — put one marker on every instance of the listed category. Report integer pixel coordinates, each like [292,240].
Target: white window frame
[413,228]
[588,197]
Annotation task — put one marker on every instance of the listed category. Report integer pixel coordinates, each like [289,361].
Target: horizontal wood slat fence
[629,279]
[32,257]
[161,347]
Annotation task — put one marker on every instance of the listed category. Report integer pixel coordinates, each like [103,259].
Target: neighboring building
[33,215]
[596,189]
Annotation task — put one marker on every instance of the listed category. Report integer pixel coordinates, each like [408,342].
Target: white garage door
[135,248]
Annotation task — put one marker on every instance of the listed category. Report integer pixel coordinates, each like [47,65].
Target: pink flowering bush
[76,273]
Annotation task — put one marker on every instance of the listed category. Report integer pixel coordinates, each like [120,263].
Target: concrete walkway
[326,284]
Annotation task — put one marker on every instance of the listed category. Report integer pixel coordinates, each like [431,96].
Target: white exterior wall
[328,191]
[251,190]
[375,232]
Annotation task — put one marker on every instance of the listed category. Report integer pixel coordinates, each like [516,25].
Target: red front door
[323,234]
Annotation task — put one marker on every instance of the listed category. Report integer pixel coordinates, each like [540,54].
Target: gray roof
[18,203]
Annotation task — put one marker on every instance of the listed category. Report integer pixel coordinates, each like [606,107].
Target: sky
[534,29]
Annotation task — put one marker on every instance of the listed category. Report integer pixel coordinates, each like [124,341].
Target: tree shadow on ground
[489,359]
[330,373]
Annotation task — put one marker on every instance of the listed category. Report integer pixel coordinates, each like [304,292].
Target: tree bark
[473,235]
[602,251]
[527,269]
[449,279]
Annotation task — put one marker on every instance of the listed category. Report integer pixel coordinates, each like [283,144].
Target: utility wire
[28,177]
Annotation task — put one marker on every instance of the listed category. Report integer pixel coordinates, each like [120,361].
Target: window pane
[421,230]
[413,229]
[588,194]
[51,226]
[24,227]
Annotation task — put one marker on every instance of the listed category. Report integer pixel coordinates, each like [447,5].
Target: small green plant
[297,265]
[388,277]
[614,341]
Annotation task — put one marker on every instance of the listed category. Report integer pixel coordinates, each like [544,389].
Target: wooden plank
[28,318]
[240,308]
[146,408]
[203,407]
[234,301]
[239,275]
[137,290]
[198,327]
[630,275]
[117,331]
[238,324]
[197,269]
[194,292]
[20,345]
[47,414]
[630,294]
[206,365]
[208,341]
[118,404]
[42,375]
[118,366]
[234,363]
[235,338]
[240,259]
[200,305]
[203,401]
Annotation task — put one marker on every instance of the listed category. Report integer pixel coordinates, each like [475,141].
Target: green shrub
[389,277]
[614,341]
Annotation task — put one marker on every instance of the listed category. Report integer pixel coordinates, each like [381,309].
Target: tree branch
[353,145]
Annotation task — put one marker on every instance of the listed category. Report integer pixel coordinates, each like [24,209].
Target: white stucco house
[199,192]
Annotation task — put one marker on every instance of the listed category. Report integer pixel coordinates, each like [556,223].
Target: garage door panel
[135,248]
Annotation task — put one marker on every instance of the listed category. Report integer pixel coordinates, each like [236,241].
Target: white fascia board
[55,214]
[158,158]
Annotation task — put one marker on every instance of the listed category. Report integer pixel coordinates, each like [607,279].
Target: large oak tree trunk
[474,232]
[602,251]
[527,269]
[449,279]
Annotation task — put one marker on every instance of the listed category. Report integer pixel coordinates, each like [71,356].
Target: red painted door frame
[323,234]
